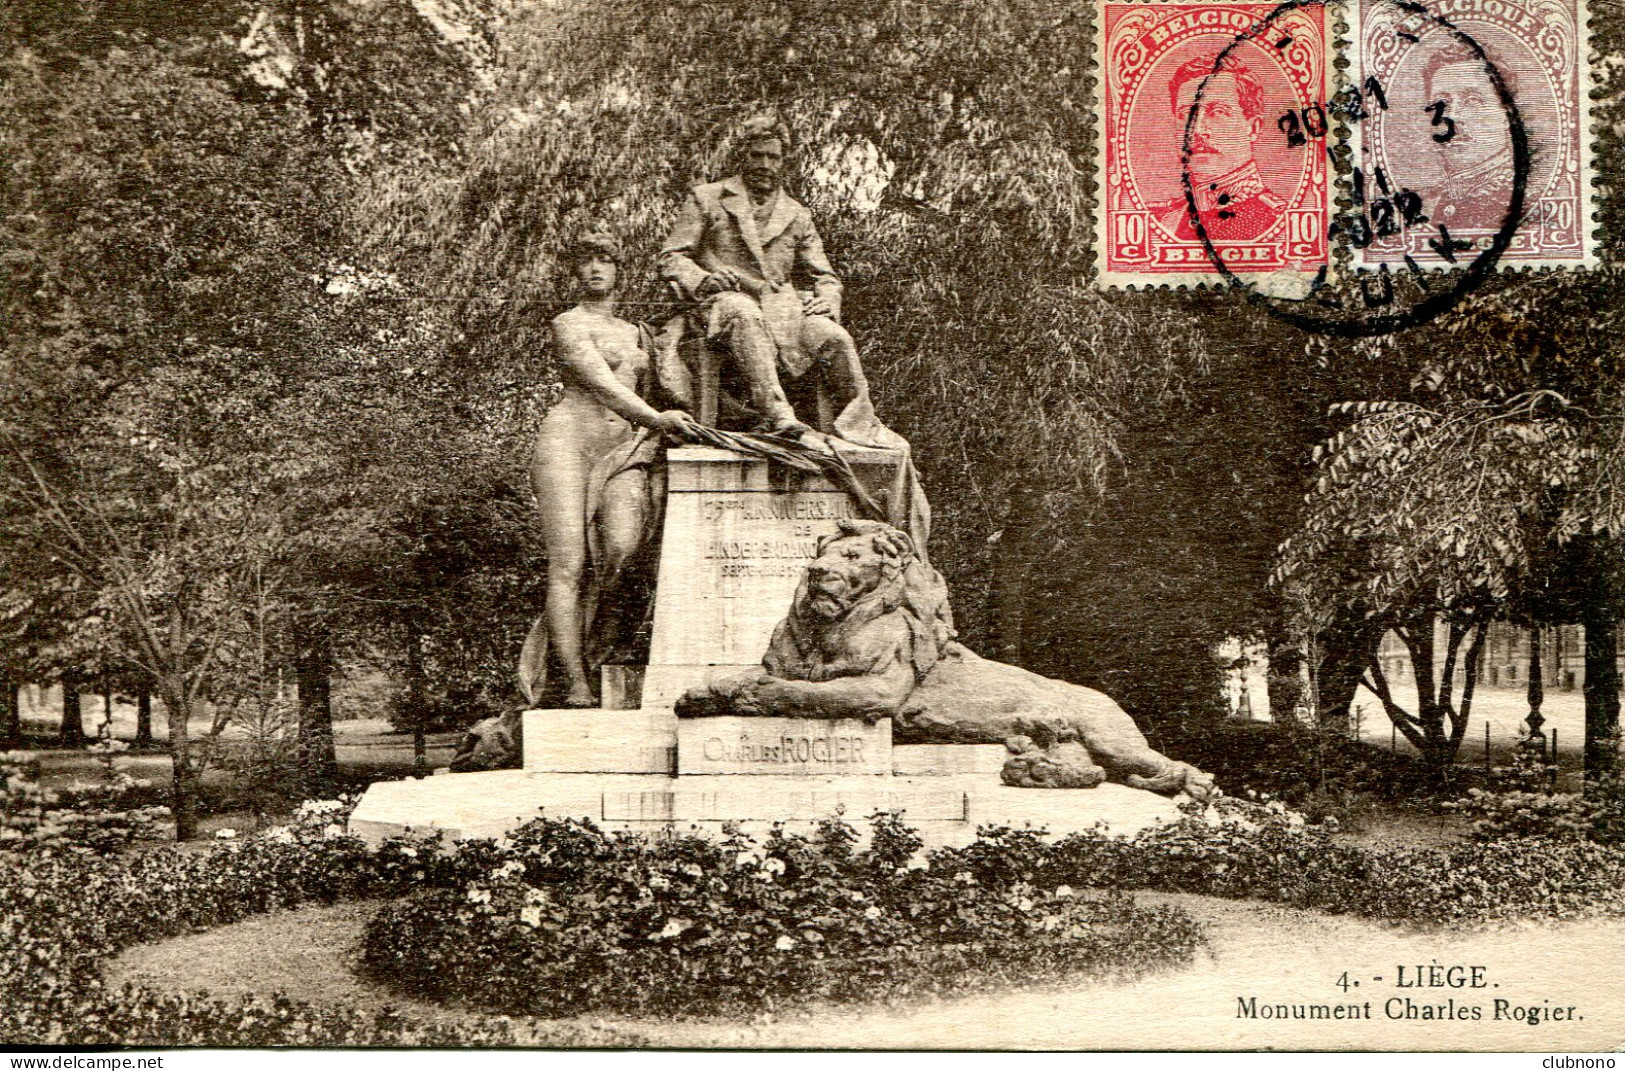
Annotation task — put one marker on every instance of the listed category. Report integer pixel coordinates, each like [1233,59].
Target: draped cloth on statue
[856,423]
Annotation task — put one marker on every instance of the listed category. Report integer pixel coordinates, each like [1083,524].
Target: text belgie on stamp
[1263,201]
[1447,132]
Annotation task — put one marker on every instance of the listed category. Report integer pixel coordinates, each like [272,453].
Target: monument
[801,660]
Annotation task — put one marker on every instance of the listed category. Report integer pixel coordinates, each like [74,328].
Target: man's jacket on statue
[716,228]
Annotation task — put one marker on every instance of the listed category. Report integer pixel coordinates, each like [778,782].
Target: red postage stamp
[1459,85]
[1261,197]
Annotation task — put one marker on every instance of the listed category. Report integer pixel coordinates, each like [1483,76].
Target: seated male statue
[749,260]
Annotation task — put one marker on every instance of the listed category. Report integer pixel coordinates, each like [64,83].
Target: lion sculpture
[870,635]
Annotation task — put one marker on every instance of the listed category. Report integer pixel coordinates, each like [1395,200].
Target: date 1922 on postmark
[1188,114]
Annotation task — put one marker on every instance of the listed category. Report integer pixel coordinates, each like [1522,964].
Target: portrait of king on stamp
[1189,101]
[1446,132]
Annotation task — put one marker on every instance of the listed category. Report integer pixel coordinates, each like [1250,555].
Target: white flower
[225,834]
[785,943]
[409,852]
[858,898]
[773,866]
[693,870]
[477,895]
[744,858]
[1024,904]
[871,912]
[965,877]
[333,830]
[531,916]
[673,928]
[659,883]
[1063,891]
[535,896]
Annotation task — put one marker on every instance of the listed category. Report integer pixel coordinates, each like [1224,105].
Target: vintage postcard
[1073,525]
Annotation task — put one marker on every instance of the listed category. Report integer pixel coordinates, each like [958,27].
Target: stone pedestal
[738,535]
[600,741]
[946,810]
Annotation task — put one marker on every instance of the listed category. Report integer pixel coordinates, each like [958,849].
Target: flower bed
[94,817]
[567,919]
[62,913]
[561,918]
[1266,852]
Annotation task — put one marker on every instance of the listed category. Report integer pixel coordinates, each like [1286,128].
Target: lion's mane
[808,646]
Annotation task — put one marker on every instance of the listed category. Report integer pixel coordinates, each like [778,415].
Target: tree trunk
[73,724]
[1350,647]
[143,714]
[416,688]
[1012,565]
[1285,677]
[315,669]
[106,724]
[11,709]
[184,777]
[1601,693]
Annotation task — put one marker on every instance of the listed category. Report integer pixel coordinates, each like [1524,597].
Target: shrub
[1267,852]
[1521,803]
[96,817]
[1304,766]
[568,919]
[63,913]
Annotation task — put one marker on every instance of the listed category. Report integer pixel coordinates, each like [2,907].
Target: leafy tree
[1490,491]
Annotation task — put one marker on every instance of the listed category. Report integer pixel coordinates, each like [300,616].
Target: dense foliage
[1242,850]
[1522,801]
[568,920]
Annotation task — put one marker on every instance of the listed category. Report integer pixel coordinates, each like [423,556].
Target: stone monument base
[739,534]
[945,807]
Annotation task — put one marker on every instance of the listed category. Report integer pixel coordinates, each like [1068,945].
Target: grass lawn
[306,953]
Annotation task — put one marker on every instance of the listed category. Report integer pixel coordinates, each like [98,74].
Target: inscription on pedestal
[738,535]
[766,535]
[783,746]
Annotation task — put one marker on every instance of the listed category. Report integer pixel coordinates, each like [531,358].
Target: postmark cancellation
[1468,123]
[1464,81]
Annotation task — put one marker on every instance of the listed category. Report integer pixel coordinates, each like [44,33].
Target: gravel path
[1280,956]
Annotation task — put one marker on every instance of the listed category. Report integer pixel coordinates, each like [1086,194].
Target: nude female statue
[591,508]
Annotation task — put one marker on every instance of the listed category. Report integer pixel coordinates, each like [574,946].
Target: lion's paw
[1175,778]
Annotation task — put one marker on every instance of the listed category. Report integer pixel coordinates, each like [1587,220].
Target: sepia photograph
[1077,526]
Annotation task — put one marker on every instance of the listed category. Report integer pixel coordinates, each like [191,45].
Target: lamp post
[1537,690]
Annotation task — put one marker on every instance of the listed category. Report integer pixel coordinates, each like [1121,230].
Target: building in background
[1505,660]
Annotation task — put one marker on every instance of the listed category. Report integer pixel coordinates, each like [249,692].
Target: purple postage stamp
[1482,130]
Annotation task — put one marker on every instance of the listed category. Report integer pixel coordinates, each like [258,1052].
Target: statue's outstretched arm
[585,366]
